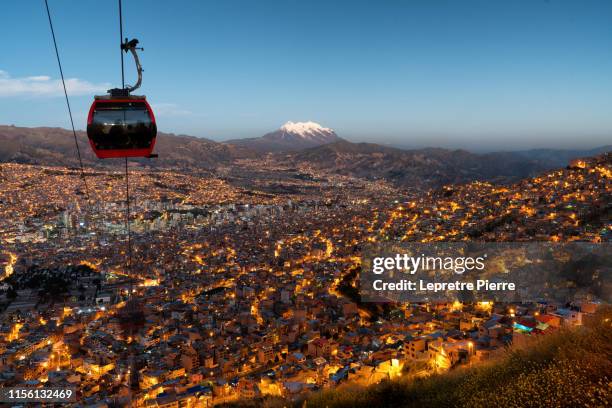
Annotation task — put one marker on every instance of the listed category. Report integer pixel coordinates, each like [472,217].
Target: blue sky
[475,74]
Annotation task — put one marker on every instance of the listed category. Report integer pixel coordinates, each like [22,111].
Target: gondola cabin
[121,127]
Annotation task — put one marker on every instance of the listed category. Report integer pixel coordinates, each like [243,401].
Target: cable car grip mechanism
[129,46]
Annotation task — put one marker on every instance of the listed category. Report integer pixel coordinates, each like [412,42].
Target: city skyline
[247,291]
[473,75]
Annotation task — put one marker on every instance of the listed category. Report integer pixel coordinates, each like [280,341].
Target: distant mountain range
[414,168]
[290,137]
[296,145]
[55,147]
[558,157]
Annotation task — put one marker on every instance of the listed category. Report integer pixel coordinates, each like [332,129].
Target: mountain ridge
[415,167]
[405,168]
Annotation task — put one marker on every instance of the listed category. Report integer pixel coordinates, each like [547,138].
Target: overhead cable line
[127,179]
[76,142]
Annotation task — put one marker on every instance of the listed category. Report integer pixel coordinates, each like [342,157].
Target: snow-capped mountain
[311,131]
[291,136]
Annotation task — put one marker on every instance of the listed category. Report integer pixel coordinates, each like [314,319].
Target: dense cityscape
[306,204]
[242,290]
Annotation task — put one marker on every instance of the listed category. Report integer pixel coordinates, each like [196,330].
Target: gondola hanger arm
[130,46]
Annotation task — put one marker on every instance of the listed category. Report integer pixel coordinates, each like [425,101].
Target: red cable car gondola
[121,127]
[120,124]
